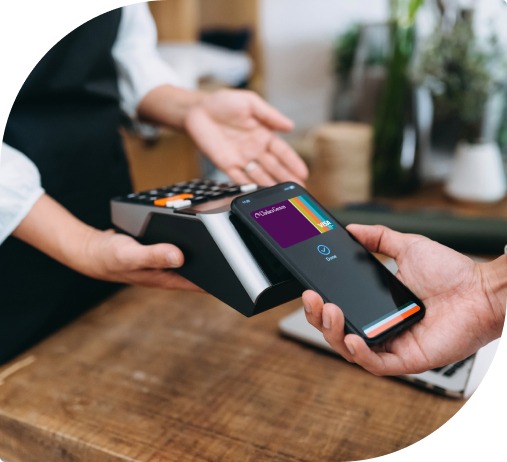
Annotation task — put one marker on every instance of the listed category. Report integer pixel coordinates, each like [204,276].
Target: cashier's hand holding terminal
[465,305]
[100,254]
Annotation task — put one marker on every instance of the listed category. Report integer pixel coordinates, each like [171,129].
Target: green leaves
[404,12]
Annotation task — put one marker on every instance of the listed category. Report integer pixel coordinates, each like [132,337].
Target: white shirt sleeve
[20,187]
[140,67]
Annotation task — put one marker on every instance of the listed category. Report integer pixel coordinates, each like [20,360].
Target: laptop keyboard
[188,193]
[451,369]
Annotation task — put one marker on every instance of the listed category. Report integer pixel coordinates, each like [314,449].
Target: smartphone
[323,256]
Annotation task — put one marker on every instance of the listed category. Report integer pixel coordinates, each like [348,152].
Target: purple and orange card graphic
[292,221]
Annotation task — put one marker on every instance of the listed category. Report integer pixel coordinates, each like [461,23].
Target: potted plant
[466,77]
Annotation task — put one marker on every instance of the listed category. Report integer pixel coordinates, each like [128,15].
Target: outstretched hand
[236,129]
[461,315]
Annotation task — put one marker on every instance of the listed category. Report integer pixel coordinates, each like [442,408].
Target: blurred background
[391,99]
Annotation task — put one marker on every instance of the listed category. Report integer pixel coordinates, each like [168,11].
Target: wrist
[169,106]
[86,257]
[494,283]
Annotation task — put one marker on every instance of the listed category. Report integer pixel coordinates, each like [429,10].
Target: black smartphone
[322,255]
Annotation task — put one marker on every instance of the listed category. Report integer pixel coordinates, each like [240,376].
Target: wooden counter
[152,376]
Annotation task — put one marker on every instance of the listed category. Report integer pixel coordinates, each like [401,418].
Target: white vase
[477,174]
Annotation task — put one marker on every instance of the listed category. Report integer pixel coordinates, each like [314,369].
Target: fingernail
[173,259]
[350,348]
[307,307]
[326,320]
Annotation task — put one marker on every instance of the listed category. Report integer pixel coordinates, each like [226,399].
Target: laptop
[457,380]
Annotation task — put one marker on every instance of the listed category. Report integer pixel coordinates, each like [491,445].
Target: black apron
[66,118]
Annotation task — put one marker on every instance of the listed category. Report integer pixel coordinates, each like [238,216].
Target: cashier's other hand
[236,129]
[465,306]
[120,258]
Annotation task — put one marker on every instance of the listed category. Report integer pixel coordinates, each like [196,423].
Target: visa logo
[325,223]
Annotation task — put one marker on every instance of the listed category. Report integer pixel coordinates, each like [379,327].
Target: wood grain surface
[152,376]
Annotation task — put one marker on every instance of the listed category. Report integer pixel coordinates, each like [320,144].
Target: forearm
[168,106]
[53,230]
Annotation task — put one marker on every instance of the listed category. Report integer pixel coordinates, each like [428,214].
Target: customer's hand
[236,130]
[465,305]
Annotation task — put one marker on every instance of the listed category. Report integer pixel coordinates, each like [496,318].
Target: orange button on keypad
[162,202]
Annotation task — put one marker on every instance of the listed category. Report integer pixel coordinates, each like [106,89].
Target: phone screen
[324,257]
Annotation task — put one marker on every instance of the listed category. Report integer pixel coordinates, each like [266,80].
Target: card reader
[221,255]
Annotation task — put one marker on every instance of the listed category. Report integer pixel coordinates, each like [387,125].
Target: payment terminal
[221,255]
